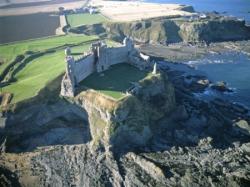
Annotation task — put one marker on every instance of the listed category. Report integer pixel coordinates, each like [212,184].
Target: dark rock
[221,103]
[239,108]
[196,83]
[221,86]
[196,123]
[214,127]
[180,114]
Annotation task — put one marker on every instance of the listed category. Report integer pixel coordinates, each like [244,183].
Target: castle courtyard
[115,81]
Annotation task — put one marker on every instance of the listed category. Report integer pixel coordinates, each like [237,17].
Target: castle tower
[102,64]
[68,51]
[128,43]
[68,82]
[70,68]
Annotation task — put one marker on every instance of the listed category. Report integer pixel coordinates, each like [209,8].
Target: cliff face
[214,31]
[193,146]
[170,31]
[166,30]
[127,122]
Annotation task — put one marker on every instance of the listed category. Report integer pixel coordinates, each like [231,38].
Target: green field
[75,20]
[36,75]
[115,81]
[38,72]
[8,52]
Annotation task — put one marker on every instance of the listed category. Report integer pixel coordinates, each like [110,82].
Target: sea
[237,8]
[233,68]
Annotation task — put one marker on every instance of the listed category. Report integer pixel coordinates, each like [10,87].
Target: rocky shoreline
[181,52]
[178,57]
[200,143]
[48,141]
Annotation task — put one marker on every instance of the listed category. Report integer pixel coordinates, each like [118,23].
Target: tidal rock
[242,127]
[204,82]
[196,83]
[221,86]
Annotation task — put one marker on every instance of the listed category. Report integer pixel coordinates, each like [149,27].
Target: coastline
[179,52]
[162,133]
[179,56]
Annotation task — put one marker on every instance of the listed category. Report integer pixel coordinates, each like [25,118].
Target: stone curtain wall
[83,68]
[77,70]
[111,56]
[117,55]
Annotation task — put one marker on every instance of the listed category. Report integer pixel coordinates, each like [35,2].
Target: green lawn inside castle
[115,81]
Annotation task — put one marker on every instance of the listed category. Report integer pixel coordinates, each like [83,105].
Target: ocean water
[231,67]
[238,8]
[234,68]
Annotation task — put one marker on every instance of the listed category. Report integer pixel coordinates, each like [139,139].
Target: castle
[99,58]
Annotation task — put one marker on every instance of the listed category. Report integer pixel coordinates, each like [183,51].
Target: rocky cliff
[172,30]
[128,121]
[176,30]
[192,146]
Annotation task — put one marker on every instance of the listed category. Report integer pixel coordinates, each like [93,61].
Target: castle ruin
[99,58]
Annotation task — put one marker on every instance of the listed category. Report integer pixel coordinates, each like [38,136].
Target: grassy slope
[8,52]
[40,71]
[84,19]
[36,75]
[115,81]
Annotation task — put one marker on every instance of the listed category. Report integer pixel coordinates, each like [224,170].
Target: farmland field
[23,27]
[8,52]
[75,20]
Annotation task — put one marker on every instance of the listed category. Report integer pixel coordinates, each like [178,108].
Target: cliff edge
[127,122]
[165,30]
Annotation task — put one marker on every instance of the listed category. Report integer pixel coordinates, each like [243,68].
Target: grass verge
[8,52]
[75,20]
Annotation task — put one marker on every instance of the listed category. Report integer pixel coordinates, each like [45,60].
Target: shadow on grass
[74,54]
